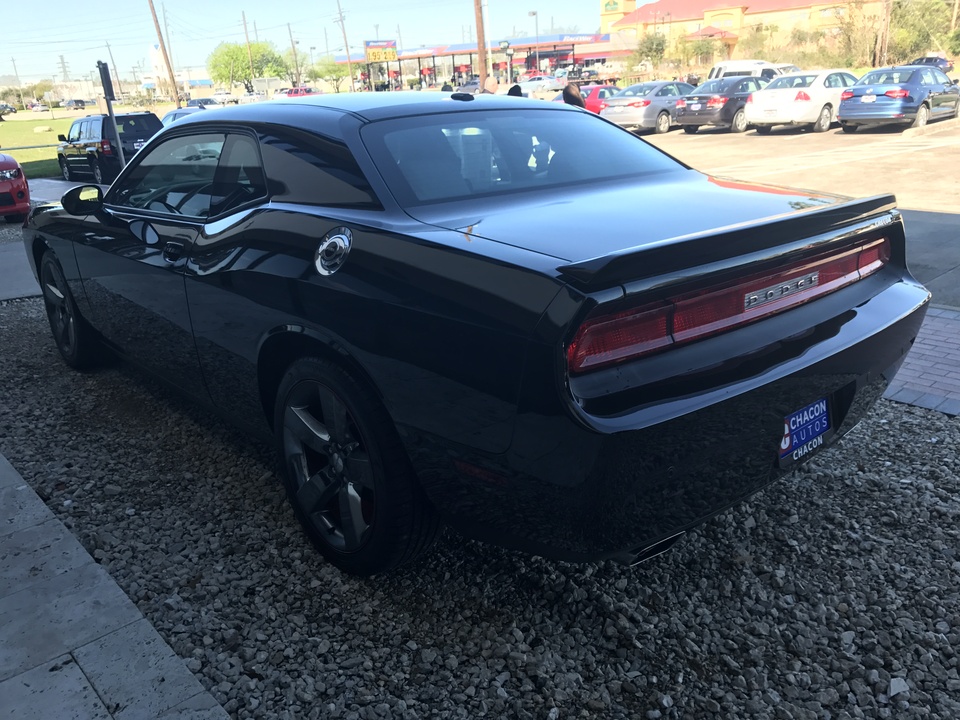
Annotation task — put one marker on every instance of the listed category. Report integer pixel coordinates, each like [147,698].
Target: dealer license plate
[868,98]
[137,145]
[769,113]
[695,106]
[804,431]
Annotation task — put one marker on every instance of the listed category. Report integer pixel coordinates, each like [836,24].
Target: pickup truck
[225,97]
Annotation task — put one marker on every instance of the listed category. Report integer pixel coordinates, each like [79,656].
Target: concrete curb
[931,129]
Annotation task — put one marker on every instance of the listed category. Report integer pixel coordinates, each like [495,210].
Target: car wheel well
[282,349]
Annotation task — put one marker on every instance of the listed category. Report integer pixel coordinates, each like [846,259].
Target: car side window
[926,77]
[174,177]
[91,130]
[940,77]
[239,177]
[74,134]
[667,91]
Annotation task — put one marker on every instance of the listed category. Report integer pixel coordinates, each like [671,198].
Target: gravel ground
[833,594]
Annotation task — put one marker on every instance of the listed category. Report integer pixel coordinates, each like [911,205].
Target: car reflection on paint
[408,293]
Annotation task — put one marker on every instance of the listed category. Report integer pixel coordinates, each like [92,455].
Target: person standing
[572,96]
[490,85]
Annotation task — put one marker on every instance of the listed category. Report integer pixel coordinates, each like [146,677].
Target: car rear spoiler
[788,233]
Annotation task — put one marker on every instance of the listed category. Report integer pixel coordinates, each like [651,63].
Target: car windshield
[886,77]
[636,90]
[791,81]
[715,86]
[454,156]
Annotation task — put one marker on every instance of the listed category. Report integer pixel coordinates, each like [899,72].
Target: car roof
[372,106]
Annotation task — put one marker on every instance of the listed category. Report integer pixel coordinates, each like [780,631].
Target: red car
[593,95]
[14,193]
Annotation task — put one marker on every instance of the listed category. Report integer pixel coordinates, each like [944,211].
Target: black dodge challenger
[409,295]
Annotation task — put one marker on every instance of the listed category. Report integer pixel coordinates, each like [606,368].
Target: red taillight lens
[846,94]
[610,338]
[749,98]
[640,103]
[681,103]
[802,97]
[603,106]
[897,94]
[716,102]
[105,147]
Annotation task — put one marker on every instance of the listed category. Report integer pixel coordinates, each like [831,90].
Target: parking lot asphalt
[72,644]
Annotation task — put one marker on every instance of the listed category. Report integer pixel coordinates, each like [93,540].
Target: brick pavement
[930,376]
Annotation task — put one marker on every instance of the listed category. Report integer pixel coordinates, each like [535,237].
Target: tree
[703,50]
[229,63]
[651,47]
[327,69]
[916,27]
[953,42]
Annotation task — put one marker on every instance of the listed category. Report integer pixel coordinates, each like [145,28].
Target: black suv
[91,146]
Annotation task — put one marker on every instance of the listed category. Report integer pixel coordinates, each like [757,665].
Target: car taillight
[846,94]
[105,147]
[749,98]
[897,94]
[609,338]
[640,103]
[603,106]
[681,103]
[716,102]
[802,97]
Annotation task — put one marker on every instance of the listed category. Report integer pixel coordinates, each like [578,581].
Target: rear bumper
[580,486]
[889,116]
[14,197]
[711,118]
[632,121]
[780,117]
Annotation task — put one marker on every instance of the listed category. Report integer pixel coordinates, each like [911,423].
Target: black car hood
[586,222]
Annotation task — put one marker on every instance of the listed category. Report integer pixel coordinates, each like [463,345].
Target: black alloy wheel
[663,123]
[347,476]
[76,341]
[65,169]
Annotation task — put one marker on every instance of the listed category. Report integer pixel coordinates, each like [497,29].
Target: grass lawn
[20,130]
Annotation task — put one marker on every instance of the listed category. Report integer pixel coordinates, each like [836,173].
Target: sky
[79,31]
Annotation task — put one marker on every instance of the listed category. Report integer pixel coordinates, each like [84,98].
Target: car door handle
[172,252]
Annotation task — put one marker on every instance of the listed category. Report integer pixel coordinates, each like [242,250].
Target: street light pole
[536,26]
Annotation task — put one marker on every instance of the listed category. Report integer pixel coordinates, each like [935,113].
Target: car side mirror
[82,200]
[62,138]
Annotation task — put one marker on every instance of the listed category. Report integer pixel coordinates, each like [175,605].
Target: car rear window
[715,85]
[138,126]
[886,77]
[793,81]
[636,90]
[454,156]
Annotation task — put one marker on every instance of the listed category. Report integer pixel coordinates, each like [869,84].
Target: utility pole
[119,86]
[346,45]
[296,62]
[166,32]
[399,40]
[326,42]
[63,69]
[23,105]
[376,31]
[481,42]
[256,35]
[953,22]
[166,57]
[249,51]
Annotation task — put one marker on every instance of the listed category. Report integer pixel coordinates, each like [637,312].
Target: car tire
[849,128]
[764,129]
[663,123]
[823,120]
[691,129]
[65,169]
[923,115]
[97,171]
[76,341]
[739,122]
[346,474]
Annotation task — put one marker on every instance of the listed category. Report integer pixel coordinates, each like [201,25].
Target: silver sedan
[645,106]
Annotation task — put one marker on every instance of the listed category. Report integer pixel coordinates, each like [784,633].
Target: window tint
[636,91]
[886,77]
[75,131]
[454,156]
[667,91]
[175,177]
[941,77]
[137,126]
[927,77]
[239,178]
[314,170]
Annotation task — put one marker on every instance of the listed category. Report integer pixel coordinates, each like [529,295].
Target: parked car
[593,96]
[174,115]
[7,109]
[801,98]
[417,308]
[225,97]
[904,95]
[73,104]
[941,63]
[718,102]
[645,106]
[203,102]
[749,68]
[90,148]
[14,191]
[541,83]
[256,96]
[39,107]
[471,86]
[301,92]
